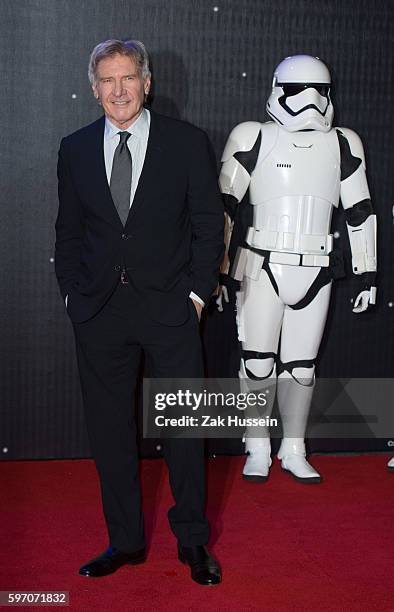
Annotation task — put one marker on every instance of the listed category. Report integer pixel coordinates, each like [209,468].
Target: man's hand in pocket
[198,308]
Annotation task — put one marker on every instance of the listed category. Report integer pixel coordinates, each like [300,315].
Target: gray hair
[132,48]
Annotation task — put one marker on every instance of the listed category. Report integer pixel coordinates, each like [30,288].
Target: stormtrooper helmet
[300,97]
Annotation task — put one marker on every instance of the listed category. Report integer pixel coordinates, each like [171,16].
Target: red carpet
[283,546]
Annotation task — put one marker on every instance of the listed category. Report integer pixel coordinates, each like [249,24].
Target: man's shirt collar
[139,128]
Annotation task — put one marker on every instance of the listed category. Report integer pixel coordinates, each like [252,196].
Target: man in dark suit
[139,240]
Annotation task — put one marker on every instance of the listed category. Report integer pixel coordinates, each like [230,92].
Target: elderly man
[139,240]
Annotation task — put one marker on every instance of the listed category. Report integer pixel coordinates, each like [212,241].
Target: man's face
[120,89]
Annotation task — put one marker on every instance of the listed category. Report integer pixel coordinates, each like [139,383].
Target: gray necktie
[120,183]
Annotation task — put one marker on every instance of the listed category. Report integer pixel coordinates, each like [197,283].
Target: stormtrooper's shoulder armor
[354,186]
[241,138]
[239,159]
[354,141]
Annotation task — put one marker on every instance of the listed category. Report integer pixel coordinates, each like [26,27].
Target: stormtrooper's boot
[390,465]
[258,462]
[292,454]
[294,400]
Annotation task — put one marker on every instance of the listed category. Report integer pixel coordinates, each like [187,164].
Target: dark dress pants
[108,350]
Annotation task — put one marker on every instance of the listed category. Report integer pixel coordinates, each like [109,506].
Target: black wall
[199,56]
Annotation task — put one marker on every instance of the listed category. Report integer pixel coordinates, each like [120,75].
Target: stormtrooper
[296,169]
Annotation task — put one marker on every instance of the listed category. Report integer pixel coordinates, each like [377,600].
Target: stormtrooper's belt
[266,240]
[249,261]
[294,259]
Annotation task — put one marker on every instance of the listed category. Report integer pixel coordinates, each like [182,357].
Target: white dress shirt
[137,144]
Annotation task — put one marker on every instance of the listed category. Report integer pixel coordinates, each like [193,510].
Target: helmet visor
[292,89]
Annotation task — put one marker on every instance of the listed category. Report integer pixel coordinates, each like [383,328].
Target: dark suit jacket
[172,242]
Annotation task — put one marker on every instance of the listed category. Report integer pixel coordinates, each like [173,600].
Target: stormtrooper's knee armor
[296,169]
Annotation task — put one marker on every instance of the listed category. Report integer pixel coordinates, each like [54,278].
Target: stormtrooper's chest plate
[293,189]
[296,164]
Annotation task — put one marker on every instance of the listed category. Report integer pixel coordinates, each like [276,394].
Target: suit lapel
[147,183]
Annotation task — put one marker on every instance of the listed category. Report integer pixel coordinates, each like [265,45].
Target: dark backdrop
[213,66]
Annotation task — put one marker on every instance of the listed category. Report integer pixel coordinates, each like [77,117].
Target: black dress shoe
[110,561]
[204,569]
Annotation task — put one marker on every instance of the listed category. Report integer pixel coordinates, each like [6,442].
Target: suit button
[125,236]
[117,268]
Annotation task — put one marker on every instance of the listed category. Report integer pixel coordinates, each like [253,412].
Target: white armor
[296,170]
